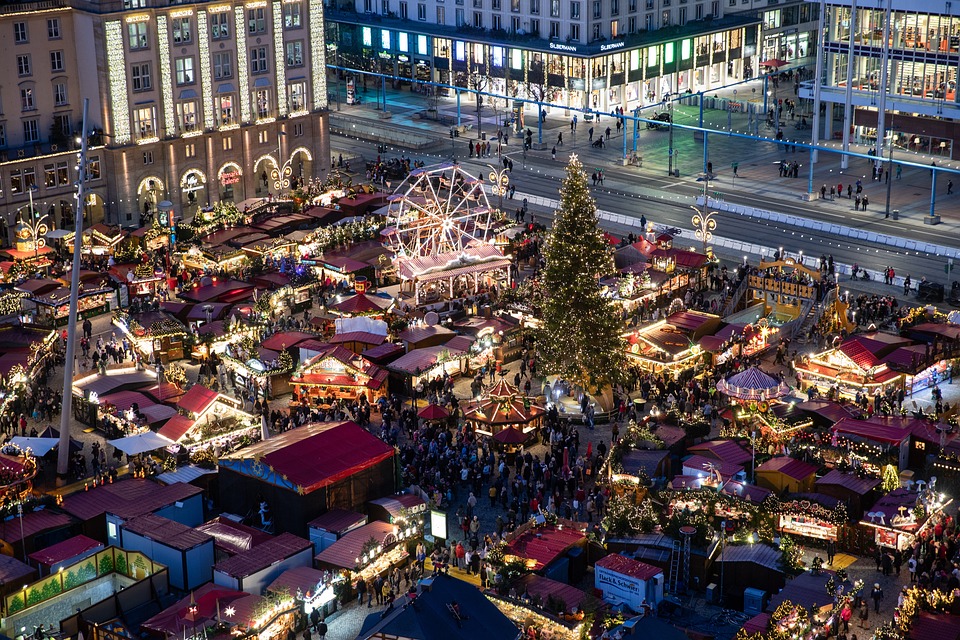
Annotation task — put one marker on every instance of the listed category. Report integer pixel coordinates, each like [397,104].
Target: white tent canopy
[141,443]
[38,446]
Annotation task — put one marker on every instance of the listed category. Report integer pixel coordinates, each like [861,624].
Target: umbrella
[50,432]
[510,436]
[433,412]
[141,443]
[39,446]
[776,63]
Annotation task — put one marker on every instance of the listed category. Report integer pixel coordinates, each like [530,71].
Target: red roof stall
[876,431]
[177,618]
[187,553]
[253,570]
[305,472]
[65,553]
[623,580]
[392,508]
[105,508]
[545,548]
[14,574]
[787,474]
[333,525]
[35,530]
[231,538]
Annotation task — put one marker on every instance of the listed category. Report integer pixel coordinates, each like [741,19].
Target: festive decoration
[837,515]
[890,479]
[624,516]
[791,555]
[581,339]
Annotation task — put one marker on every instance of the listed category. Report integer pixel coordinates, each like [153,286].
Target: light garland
[318,53]
[117,74]
[205,78]
[166,76]
[281,59]
[243,72]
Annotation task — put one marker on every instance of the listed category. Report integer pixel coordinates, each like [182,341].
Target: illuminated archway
[262,170]
[230,177]
[193,183]
[150,191]
[301,163]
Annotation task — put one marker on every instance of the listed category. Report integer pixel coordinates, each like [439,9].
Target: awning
[188,94]
[226,88]
[39,446]
[141,443]
[56,234]
[261,83]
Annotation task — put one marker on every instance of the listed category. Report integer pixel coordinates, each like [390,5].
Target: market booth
[70,551]
[314,588]
[52,307]
[811,516]
[903,514]
[98,240]
[304,472]
[367,551]
[502,407]
[623,580]
[153,332]
[253,570]
[338,373]
[186,552]
[333,525]
[783,473]
[555,551]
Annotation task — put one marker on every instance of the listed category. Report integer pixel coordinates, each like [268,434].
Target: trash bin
[483,136]
[895,214]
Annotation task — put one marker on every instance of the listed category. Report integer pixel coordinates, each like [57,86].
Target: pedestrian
[831,551]
[553,152]
[865,202]
[864,615]
[899,171]
[608,133]
[877,596]
[560,138]
[856,204]
[823,193]
[912,568]
[590,135]
[950,187]
[850,191]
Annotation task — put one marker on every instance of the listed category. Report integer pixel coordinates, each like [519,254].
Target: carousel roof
[362,303]
[503,404]
[752,384]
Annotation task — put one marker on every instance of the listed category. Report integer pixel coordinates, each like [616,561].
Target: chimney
[426,585]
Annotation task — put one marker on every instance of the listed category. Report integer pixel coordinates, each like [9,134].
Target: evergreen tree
[890,479]
[581,328]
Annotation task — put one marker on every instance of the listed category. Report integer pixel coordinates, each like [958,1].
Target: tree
[581,329]
[890,479]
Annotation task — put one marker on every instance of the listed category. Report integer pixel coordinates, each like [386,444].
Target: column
[848,94]
[884,64]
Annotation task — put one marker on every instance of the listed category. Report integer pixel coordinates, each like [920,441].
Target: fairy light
[166,78]
[242,70]
[117,75]
[205,80]
[318,53]
[281,61]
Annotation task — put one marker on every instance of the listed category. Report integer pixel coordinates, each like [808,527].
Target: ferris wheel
[438,209]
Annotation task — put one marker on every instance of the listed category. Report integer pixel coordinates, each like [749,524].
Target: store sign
[230,177]
[556,46]
[438,524]
[612,46]
[191,183]
[620,585]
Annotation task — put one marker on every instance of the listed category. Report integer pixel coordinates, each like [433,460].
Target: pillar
[848,94]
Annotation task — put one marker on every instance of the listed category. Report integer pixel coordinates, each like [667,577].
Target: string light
[318,52]
[205,79]
[280,59]
[242,69]
[166,77]
[117,74]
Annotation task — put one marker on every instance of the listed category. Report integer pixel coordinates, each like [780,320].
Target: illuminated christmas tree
[890,479]
[581,330]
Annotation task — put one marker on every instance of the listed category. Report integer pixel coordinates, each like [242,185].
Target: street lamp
[34,229]
[893,141]
[499,183]
[281,175]
[704,224]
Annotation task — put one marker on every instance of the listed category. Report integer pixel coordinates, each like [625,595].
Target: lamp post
[893,140]
[723,547]
[35,228]
[499,183]
[703,221]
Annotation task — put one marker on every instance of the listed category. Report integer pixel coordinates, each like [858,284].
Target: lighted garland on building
[624,516]
[916,600]
[791,555]
[838,515]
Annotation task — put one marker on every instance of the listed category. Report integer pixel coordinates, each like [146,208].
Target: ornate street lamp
[703,225]
[499,183]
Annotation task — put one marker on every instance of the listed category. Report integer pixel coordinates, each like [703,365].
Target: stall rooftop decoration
[538,545]
[339,372]
[671,343]
[99,240]
[145,330]
[502,407]
[753,385]
[441,233]
[362,304]
[304,472]
[849,368]
[899,517]
[431,615]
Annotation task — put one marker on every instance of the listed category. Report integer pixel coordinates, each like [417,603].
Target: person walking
[950,187]
[560,138]
[590,135]
[865,202]
[554,153]
[864,615]
[831,551]
[877,596]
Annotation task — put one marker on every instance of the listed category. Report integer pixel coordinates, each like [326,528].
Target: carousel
[505,414]
[751,393]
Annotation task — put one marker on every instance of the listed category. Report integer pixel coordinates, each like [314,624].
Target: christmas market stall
[311,588]
[858,491]
[211,418]
[783,473]
[338,374]
[261,371]
[25,352]
[873,442]
[902,515]
[503,407]
[151,237]
[623,580]
[52,308]
[217,290]
[846,370]
[808,515]
[253,570]
[363,304]
[672,343]
[141,280]
[552,550]
[428,363]
[740,341]
[153,334]
[368,551]
[306,471]
[98,240]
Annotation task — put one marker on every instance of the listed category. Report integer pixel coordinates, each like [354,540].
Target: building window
[3,135]
[554,29]
[596,31]
[554,8]
[190,150]
[187,115]
[263,137]
[261,99]
[137,31]
[496,5]
[222,65]
[514,24]
[614,7]
[180,27]
[225,110]
[16,181]
[615,29]
[258,60]
[23,65]
[220,25]
[145,122]
[385,7]
[298,96]
[597,12]
[441,16]
[698,11]
[31,131]
[295,53]
[574,10]
[53,28]
[228,144]
[535,7]
[478,20]
[291,16]
[93,168]
[148,157]
[184,67]
[59,94]
[404,11]
[20,32]
[134,4]
[575,32]
[256,20]
[56,61]
[648,22]
[478,4]
[515,6]
[140,77]
[421,12]
[49,176]
[497,24]
[665,18]
[63,173]
[26,100]
[535,26]
[682,20]
[298,130]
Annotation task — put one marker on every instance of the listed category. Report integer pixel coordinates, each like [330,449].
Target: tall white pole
[848,95]
[63,455]
[817,82]
[882,102]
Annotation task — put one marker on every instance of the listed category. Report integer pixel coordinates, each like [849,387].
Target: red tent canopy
[433,412]
[510,436]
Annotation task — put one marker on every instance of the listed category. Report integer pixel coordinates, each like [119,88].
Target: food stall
[153,332]
[503,407]
[53,308]
[820,518]
[98,240]
[143,280]
[221,258]
[338,373]
[261,371]
[367,551]
[899,517]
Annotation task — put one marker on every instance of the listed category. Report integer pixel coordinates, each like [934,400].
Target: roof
[396,503]
[384,350]
[233,537]
[879,343]
[950,331]
[173,620]
[761,554]
[69,548]
[312,456]
[749,492]
[420,360]
[263,555]
[544,545]
[186,473]
[177,426]
[419,334]
[629,567]
[344,552]
[12,570]
[286,340]
[890,504]
[343,264]
[670,434]
[362,303]
[477,258]
[429,617]
[126,499]
[365,337]
[723,450]
[790,467]
[805,590]
[827,409]
[861,356]
[935,625]
[198,399]
[337,520]
[910,358]
[302,579]
[649,461]
[874,431]
[699,464]
[691,320]
[32,523]
[849,481]
[167,532]
[541,588]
